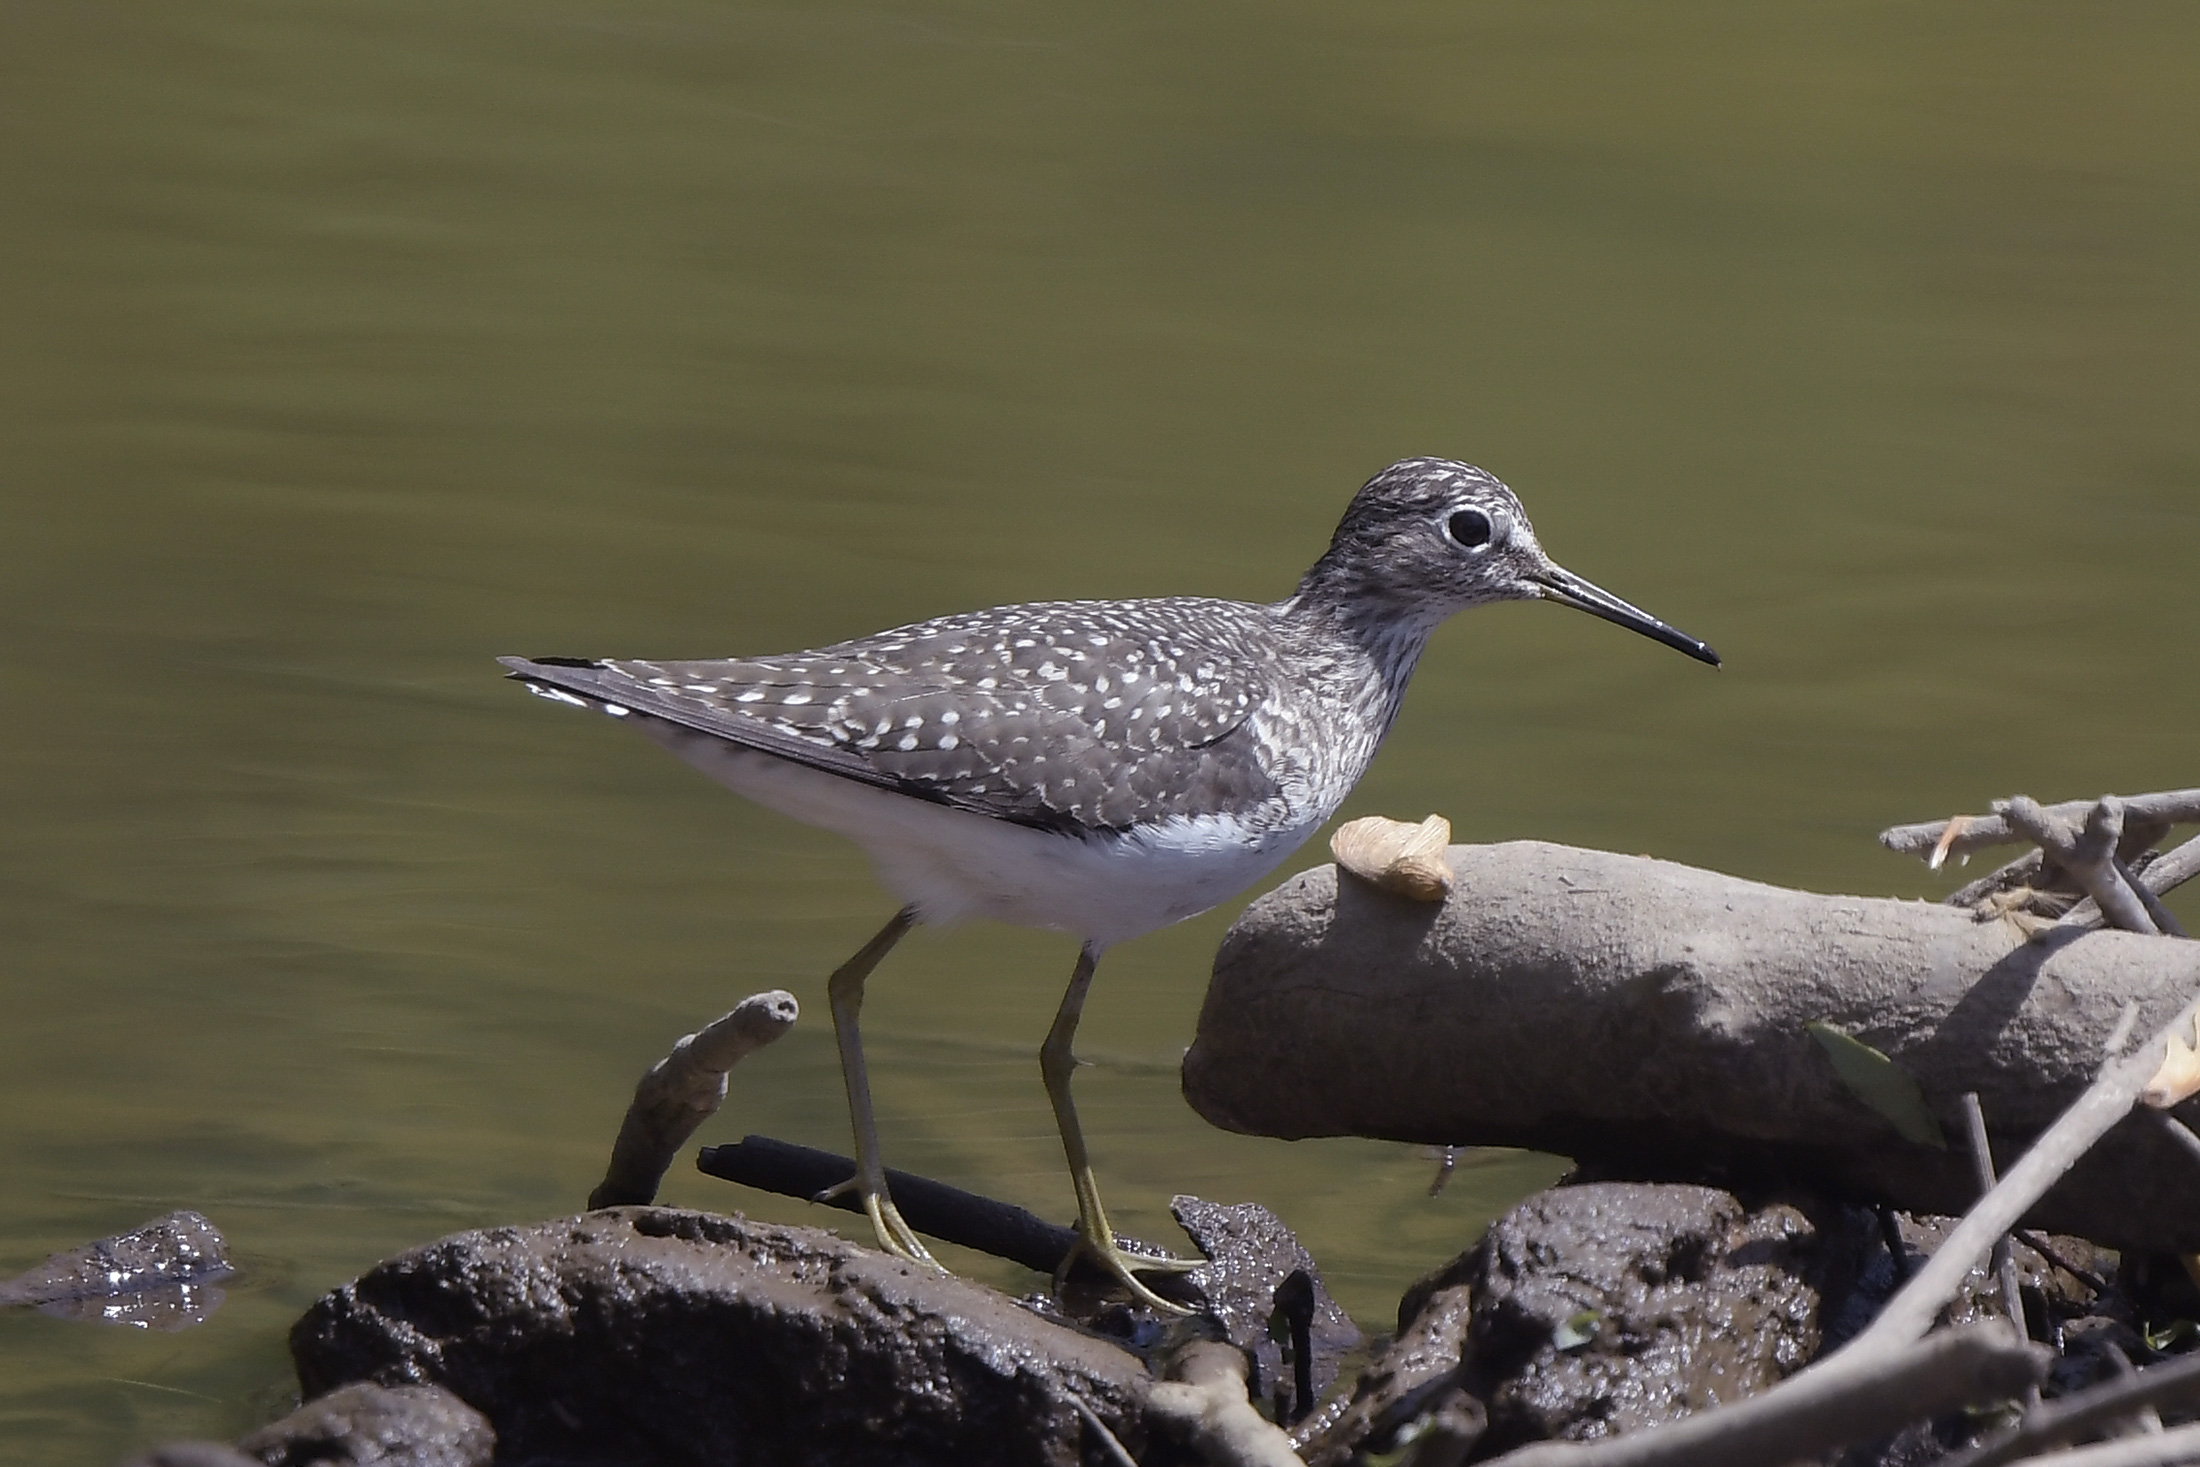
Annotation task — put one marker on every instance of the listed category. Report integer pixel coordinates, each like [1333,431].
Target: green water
[344,346]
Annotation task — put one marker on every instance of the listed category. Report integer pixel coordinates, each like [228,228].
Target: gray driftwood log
[1649,1019]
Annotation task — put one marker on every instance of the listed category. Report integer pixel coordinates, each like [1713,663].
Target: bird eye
[1470,528]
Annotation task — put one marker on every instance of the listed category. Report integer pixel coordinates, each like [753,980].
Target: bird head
[1428,537]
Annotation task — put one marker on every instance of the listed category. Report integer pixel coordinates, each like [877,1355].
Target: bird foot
[1124,1266]
[895,1236]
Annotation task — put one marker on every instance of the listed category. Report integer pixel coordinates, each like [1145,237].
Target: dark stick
[933,1208]
[2178,1132]
[1890,1234]
[2045,1250]
[2020,872]
[1295,1301]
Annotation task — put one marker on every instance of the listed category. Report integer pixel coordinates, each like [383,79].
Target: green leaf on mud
[2176,1332]
[1577,1330]
[1881,1084]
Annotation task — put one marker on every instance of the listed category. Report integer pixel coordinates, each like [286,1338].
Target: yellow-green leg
[1095,1239]
[845,990]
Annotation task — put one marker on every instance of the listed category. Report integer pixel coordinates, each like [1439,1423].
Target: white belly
[950,864]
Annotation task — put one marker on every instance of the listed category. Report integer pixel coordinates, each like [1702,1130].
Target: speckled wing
[1064,715]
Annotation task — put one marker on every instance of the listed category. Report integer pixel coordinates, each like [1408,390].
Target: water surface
[348,345]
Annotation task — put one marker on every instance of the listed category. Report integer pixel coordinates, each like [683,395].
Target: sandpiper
[1104,768]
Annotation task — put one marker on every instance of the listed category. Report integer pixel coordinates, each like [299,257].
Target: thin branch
[2173,868]
[2164,874]
[2164,1450]
[2089,855]
[2165,922]
[1982,1166]
[1111,1445]
[2146,1418]
[2020,872]
[2093,1281]
[2164,807]
[681,1091]
[2106,1102]
[1846,1399]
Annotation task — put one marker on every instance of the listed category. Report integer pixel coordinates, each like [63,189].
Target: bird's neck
[1369,647]
[1337,604]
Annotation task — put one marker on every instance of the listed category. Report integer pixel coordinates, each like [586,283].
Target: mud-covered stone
[363,1423]
[181,1247]
[1417,1373]
[1604,1308]
[673,1337]
[1250,1253]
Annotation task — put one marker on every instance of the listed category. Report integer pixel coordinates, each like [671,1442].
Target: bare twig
[1846,1399]
[1204,1402]
[2093,1281]
[2162,875]
[2146,1418]
[2164,1450]
[2127,1019]
[1111,1445]
[2163,919]
[2164,807]
[2174,867]
[1982,1163]
[681,1091]
[2107,1101]
[2089,855]
[2020,872]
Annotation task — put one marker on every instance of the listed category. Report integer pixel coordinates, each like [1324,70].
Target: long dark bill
[1568,589]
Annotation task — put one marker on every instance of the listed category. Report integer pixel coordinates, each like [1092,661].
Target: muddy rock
[1250,1255]
[160,1276]
[1598,1308]
[656,1335]
[362,1423]
[1604,1308]
[1417,1374]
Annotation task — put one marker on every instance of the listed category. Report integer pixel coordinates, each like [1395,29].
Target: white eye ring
[1470,528]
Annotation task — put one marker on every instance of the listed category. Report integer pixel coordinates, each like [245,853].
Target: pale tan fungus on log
[2178,1079]
[1404,859]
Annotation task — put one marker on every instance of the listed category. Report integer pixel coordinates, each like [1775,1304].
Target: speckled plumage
[1101,767]
[1210,735]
